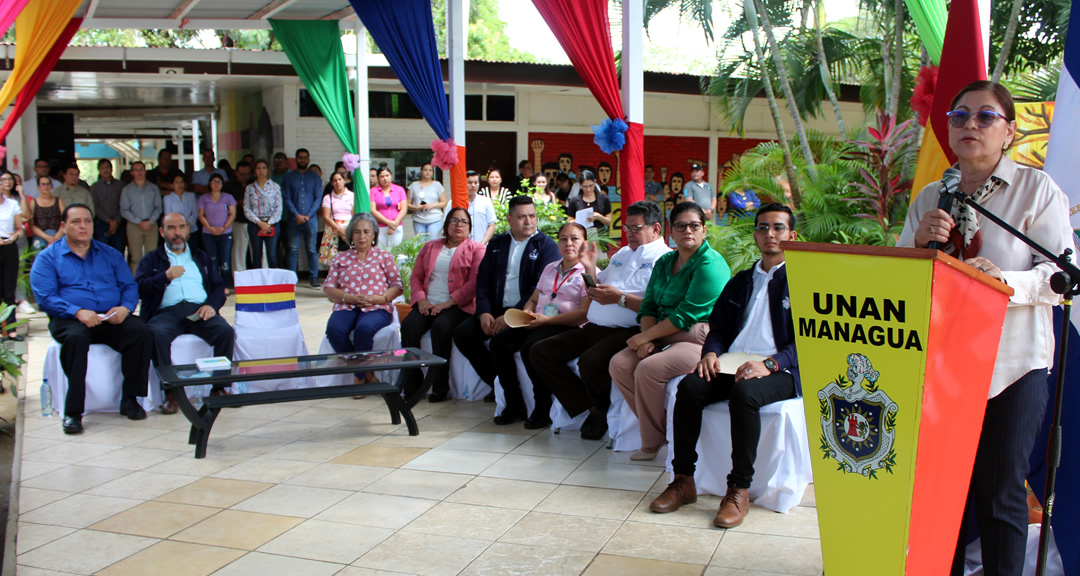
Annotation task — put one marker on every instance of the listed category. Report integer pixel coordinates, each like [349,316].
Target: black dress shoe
[72,425]
[490,398]
[509,417]
[436,397]
[15,338]
[315,283]
[537,422]
[594,427]
[129,406]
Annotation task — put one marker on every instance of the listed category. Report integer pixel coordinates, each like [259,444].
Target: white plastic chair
[560,419]
[103,380]
[267,324]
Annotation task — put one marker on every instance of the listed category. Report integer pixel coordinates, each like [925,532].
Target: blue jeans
[117,240]
[220,250]
[259,242]
[362,326]
[308,230]
[432,229]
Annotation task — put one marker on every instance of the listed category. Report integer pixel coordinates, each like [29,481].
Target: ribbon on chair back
[269,298]
[584,32]
[405,32]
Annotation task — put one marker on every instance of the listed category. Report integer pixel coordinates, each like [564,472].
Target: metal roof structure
[208,14]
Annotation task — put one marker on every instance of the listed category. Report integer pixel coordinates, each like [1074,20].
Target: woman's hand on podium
[934,227]
[986,267]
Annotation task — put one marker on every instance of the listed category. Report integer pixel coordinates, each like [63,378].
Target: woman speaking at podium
[981,127]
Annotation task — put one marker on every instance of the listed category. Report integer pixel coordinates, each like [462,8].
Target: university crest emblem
[858,421]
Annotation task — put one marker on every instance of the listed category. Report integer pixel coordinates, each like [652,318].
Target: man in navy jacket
[506,279]
[753,316]
[181,293]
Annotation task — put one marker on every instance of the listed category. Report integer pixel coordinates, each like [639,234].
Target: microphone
[950,180]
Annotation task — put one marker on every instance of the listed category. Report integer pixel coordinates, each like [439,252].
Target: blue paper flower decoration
[610,135]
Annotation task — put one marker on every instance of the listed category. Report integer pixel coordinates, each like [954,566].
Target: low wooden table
[176,378]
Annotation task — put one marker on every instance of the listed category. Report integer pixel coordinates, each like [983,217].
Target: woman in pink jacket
[443,286]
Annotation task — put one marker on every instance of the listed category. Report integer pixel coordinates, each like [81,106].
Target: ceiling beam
[270,9]
[91,8]
[183,9]
[343,14]
[176,24]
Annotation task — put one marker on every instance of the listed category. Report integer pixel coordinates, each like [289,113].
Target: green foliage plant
[405,255]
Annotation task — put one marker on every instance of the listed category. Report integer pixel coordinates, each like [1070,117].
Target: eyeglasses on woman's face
[983,118]
[457,221]
[693,226]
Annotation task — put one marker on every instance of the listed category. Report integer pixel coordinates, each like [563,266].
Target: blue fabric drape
[405,32]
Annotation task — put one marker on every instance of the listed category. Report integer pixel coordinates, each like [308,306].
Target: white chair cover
[465,383]
[103,380]
[186,349]
[782,470]
[559,418]
[386,339]
[273,334]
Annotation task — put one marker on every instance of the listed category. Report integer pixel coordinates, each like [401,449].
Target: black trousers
[442,327]
[470,338]
[745,400]
[169,323]
[1012,422]
[593,346]
[131,338]
[503,346]
[9,276]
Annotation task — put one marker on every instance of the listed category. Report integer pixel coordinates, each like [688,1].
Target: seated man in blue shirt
[181,293]
[87,290]
[753,316]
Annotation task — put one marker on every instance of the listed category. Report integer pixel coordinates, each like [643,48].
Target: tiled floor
[330,487]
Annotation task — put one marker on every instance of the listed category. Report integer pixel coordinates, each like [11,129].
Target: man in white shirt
[612,321]
[480,209]
[42,168]
[751,316]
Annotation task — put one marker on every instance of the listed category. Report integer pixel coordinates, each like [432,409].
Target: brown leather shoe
[681,491]
[733,509]
[168,406]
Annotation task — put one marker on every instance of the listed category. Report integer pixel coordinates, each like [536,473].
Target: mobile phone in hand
[589,280]
[194,317]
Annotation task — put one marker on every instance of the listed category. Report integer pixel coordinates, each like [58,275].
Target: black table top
[299,367]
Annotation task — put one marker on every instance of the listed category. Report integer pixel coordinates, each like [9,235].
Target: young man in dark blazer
[177,283]
[752,315]
[506,279]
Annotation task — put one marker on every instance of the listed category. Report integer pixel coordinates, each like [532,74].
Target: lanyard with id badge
[551,309]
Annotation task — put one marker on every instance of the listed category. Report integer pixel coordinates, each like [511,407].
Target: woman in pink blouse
[337,209]
[362,282]
[443,295]
[558,304]
[388,205]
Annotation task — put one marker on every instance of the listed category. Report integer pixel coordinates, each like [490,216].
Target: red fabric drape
[583,31]
[30,90]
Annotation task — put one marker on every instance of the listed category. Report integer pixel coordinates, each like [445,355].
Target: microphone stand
[1065,283]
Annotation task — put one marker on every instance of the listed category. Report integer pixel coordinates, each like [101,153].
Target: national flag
[1061,156]
[963,61]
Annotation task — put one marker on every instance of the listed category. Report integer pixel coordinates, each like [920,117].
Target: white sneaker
[26,309]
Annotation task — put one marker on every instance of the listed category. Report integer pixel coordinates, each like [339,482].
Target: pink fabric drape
[583,31]
[30,90]
[9,11]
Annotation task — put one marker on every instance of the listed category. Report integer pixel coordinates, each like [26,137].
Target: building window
[500,108]
[474,107]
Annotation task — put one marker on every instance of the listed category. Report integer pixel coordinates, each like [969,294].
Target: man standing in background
[700,192]
[109,226]
[302,195]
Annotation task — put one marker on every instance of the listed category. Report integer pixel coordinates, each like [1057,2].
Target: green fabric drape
[314,50]
[930,17]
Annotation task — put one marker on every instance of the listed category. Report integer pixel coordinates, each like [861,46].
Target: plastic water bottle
[241,387]
[46,398]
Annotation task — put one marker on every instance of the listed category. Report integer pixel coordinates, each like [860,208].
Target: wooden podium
[896,351]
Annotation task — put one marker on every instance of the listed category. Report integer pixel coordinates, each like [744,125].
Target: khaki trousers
[643,382]
[140,243]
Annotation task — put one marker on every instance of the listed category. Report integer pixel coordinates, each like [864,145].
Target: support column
[30,151]
[457,38]
[196,157]
[360,90]
[632,159]
[180,146]
[213,137]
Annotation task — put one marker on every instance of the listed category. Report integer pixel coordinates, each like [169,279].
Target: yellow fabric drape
[36,30]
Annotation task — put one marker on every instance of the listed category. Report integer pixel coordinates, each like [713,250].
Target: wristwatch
[622,300]
[771,365]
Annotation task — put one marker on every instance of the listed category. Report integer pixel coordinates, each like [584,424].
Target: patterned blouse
[374,275]
[263,204]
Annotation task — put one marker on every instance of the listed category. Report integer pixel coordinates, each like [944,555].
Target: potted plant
[405,254]
[11,352]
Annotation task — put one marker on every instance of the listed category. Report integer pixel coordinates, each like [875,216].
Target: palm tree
[1006,44]
[785,84]
[823,64]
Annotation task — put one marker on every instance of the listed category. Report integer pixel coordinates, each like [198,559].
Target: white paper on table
[730,361]
[582,216]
